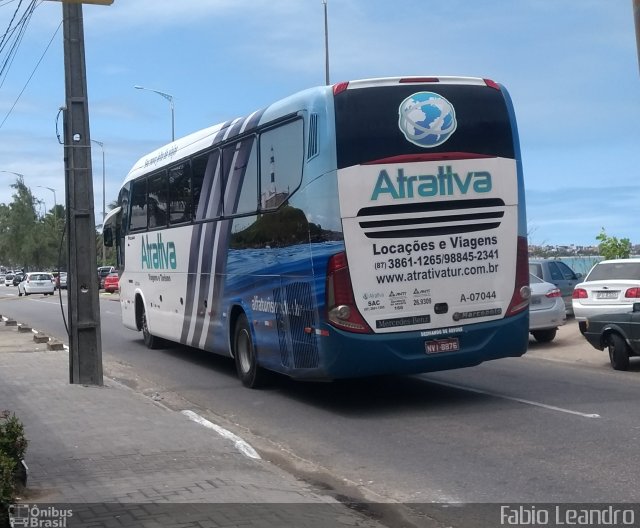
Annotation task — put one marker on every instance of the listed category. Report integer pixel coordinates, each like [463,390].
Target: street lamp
[326,43]
[169,98]
[11,172]
[104,204]
[55,202]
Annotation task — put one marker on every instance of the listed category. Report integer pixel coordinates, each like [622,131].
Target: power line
[14,36]
[30,76]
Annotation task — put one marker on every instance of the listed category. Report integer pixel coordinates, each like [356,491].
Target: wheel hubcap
[244,354]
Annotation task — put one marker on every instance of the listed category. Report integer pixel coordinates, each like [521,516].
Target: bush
[13,446]
[12,440]
[7,480]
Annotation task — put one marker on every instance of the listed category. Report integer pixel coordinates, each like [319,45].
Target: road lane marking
[239,443]
[512,398]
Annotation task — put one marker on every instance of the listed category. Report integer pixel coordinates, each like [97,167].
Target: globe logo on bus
[427,119]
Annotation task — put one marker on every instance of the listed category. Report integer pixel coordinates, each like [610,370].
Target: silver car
[36,282]
[546,310]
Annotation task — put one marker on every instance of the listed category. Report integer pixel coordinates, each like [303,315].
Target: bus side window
[241,188]
[198,168]
[123,200]
[157,200]
[180,194]
[138,218]
[281,158]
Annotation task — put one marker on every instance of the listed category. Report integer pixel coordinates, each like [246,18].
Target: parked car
[36,282]
[558,273]
[612,286]
[103,271]
[619,333]
[546,310]
[18,278]
[8,279]
[112,282]
[61,280]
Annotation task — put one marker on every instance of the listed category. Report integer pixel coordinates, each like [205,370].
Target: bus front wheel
[250,374]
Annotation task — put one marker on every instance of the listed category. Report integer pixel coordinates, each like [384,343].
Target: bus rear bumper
[347,355]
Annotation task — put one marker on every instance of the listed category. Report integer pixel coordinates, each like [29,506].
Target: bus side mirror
[107,237]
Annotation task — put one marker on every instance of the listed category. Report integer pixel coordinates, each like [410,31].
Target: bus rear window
[368,124]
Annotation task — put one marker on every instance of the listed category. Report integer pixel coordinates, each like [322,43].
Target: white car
[8,279]
[547,310]
[612,286]
[37,282]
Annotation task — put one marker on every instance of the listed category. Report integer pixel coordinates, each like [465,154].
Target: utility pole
[85,345]
[636,17]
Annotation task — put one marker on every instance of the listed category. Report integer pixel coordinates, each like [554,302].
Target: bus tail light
[341,306]
[521,290]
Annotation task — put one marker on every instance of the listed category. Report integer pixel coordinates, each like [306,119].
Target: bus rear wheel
[150,340]
[244,352]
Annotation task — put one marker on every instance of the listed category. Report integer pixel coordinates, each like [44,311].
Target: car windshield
[615,271]
[40,276]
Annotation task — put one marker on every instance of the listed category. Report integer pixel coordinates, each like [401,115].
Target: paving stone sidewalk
[113,457]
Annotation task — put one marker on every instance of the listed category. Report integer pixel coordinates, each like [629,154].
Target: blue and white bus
[370,227]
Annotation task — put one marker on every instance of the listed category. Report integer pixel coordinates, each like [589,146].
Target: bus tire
[618,352]
[244,353]
[150,340]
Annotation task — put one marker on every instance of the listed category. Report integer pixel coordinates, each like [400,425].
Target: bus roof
[201,139]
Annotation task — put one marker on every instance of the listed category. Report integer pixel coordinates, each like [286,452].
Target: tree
[27,241]
[611,248]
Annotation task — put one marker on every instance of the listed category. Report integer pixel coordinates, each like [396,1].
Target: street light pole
[326,43]
[55,202]
[22,177]
[11,172]
[169,98]
[104,204]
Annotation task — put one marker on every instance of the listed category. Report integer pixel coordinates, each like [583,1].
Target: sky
[570,66]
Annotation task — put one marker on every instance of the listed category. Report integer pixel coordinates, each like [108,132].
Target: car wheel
[150,340]
[19,293]
[582,326]
[545,336]
[618,352]
[244,352]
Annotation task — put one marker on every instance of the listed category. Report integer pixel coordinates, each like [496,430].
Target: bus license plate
[442,345]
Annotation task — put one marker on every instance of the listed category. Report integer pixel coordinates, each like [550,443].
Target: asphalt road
[558,425]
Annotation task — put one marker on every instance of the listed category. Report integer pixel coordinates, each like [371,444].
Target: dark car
[618,332]
[18,278]
[558,273]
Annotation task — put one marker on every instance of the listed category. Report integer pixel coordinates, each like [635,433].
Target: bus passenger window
[157,200]
[180,194]
[138,219]
[241,189]
[198,169]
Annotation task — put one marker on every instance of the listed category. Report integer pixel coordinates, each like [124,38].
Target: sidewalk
[114,457]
